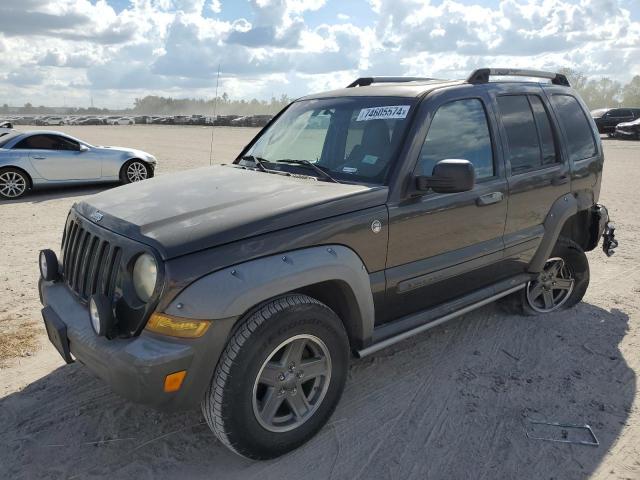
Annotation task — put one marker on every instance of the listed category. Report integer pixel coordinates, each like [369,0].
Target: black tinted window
[47,142]
[63,143]
[580,142]
[458,130]
[524,147]
[623,113]
[544,130]
[38,142]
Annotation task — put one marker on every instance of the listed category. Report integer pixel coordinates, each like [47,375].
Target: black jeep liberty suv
[355,219]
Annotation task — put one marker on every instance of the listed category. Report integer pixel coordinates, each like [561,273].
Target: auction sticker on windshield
[391,112]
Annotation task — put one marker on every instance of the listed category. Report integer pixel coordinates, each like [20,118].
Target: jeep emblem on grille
[96,216]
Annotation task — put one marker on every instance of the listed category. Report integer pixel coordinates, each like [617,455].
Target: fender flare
[561,210]
[235,290]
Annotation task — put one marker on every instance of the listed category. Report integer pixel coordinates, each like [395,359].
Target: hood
[202,208]
[629,124]
[131,151]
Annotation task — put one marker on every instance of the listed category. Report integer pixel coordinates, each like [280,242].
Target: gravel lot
[451,403]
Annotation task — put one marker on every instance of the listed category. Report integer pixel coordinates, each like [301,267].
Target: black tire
[576,268]
[126,177]
[14,183]
[229,404]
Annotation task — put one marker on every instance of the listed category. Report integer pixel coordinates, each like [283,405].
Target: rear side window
[529,134]
[459,130]
[580,142]
[545,134]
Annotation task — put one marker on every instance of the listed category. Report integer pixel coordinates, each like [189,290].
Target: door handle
[561,180]
[489,198]
[38,157]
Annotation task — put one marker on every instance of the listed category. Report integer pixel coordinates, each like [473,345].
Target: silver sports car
[46,158]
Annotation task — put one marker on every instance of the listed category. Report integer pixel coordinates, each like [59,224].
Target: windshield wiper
[257,160]
[311,165]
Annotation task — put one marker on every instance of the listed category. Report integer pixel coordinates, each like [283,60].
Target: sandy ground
[452,403]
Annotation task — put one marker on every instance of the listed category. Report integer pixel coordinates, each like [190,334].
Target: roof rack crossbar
[482,75]
[366,81]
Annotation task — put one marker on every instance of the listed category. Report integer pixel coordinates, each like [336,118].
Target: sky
[68,52]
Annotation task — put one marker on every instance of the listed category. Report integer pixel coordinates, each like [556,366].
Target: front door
[59,158]
[442,246]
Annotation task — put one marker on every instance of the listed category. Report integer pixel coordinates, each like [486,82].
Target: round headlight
[145,275]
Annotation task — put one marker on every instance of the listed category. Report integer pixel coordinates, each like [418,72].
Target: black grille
[90,263]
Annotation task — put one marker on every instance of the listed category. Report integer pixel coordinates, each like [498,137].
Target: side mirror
[84,148]
[449,176]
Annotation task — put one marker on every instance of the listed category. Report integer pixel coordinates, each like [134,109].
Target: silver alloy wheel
[12,184]
[552,287]
[136,171]
[292,383]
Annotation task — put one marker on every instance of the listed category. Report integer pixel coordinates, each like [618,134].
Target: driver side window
[47,142]
[459,130]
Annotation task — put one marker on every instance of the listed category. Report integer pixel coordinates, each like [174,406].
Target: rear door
[442,246]
[59,158]
[537,172]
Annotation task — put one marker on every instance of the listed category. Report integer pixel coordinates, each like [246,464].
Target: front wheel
[562,282]
[279,379]
[134,171]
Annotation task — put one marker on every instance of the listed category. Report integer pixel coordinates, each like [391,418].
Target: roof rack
[366,81]
[482,75]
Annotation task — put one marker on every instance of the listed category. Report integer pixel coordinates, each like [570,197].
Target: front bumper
[136,367]
[625,133]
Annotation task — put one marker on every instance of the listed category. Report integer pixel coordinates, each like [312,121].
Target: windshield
[353,139]
[7,137]
[598,113]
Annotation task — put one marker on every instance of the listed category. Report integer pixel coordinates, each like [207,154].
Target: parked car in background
[224,120]
[47,158]
[124,121]
[628,130]
[181,120]
[251,121]
[607,118]
[53,121]
[5,126]
[91,121]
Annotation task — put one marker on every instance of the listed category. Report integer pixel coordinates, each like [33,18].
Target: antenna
[213,122]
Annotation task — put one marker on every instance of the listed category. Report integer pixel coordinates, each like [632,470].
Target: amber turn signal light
[173,381]
[176,326]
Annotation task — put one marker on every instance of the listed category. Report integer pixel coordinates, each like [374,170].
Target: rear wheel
[561,284]
[134,171]
[279,378]
[14,183]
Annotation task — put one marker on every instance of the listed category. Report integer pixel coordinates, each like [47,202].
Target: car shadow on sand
[56,193]
[453,402]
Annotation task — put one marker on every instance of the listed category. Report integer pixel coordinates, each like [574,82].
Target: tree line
[597,93]
[604,92]
[155,105]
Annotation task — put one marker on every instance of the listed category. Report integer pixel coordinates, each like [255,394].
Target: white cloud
[84,47]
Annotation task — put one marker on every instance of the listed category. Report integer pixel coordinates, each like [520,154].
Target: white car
[53,121]
[121,121]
